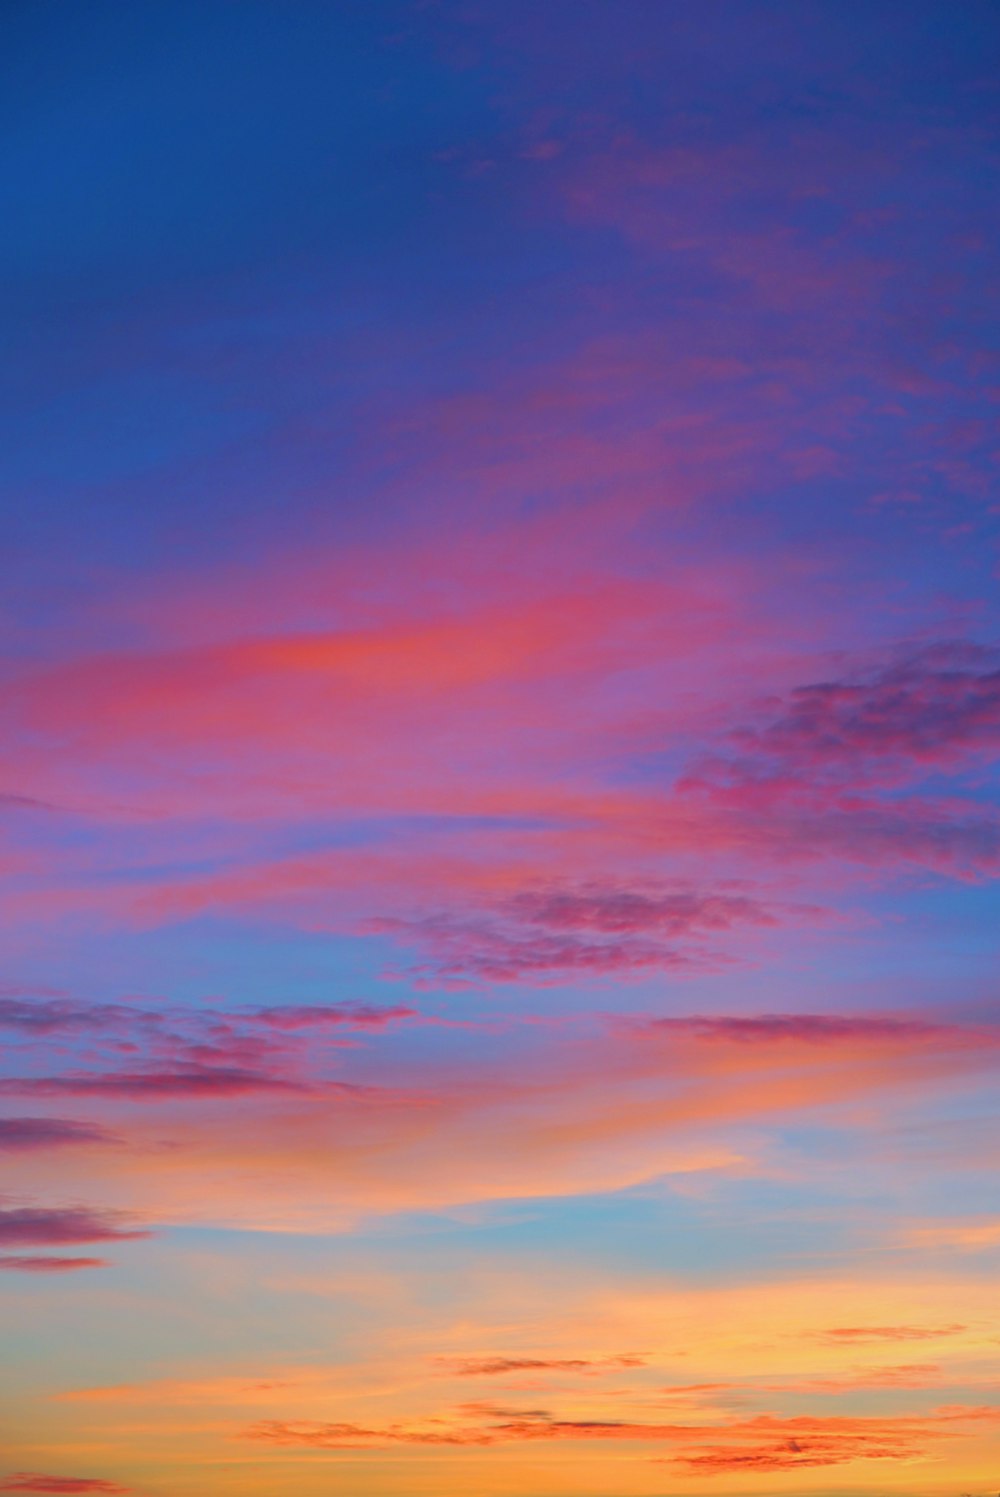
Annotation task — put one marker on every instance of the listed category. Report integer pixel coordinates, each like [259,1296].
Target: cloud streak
[765,1442]
[28,1133]
[45,1265]
[53,1226]
[36,1481]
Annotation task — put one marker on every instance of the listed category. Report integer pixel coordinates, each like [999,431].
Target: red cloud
[764,1442]
[50,1265]
[34,1481]
[786,1456]
[500,1366]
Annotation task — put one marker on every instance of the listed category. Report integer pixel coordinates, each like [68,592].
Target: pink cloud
[52,1226]
[583,1104]
[49,1265]
[183,1081]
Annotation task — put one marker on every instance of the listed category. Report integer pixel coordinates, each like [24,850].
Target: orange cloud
[764,1442]
[974,1234]
[855,1335]
[502,1366]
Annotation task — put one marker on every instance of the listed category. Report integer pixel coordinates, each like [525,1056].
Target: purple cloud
[47,1226]
[49,1133]
[183,1081]
[925,711]
[182,1052]
[556,932]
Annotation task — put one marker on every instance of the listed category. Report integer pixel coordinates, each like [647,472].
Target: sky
[500,642]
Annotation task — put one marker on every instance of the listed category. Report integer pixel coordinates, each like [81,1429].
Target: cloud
[502,1366]
[319,1016]
[46,1226]
[175,1053]
[559,932]
[904,1375]
[765,1442]
[818,1044]
[54,1015]
[923,710]
[789,1455]
[49,1265]
[871,766]
[187,1081]
[974,1234]
[464,952]
[860,1334]
[623,911]
[584,1104]
[49,1133]
[35,1481]
[833,1030]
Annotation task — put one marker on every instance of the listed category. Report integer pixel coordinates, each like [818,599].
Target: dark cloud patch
[623,911]
[320,1016]
[54,1015]
[930,706]
[814,1029]
[557,932]
[870,766]
[18,1134]
[63,1015]
[137,1052]
[47,1226]
[184,1081]
[926,710]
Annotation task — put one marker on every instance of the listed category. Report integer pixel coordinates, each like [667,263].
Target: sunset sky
[499,753]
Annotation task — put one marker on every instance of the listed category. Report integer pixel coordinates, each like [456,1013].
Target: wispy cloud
[52,1226]
[46,1265]
[35,1481]
[503,1366]
[28,1133]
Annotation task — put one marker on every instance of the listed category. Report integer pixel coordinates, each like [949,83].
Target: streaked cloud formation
[498,742]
